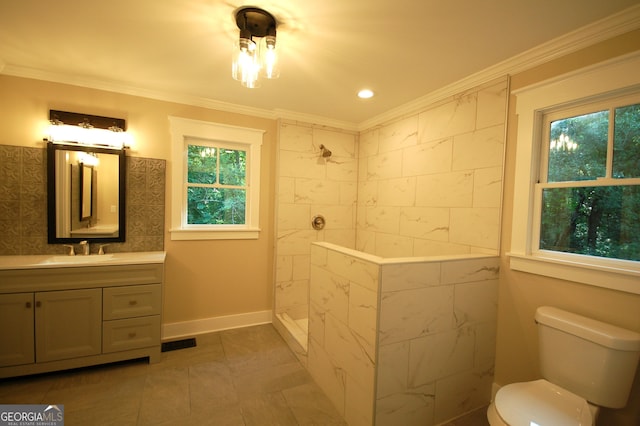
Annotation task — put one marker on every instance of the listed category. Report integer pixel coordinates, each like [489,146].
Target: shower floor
[298,328]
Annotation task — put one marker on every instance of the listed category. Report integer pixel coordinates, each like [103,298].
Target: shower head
[325,152]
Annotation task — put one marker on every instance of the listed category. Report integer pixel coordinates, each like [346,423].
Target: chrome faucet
[86,250]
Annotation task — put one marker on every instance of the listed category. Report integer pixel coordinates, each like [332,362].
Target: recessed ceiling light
[365,94]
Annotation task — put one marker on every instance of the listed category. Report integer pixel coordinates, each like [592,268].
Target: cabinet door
[16,329]
[68,324]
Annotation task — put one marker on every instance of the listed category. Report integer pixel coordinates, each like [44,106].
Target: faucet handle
[101,250]
[71,251]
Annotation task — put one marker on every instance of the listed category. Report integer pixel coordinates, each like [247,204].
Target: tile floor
[238,377]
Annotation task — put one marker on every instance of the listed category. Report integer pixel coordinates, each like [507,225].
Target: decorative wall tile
[23,189]
[454,117]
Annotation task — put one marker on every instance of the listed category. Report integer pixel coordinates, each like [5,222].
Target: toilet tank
[587,357]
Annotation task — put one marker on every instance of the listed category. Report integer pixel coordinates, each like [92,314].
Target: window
[588,187]
[215,184]
[576,206]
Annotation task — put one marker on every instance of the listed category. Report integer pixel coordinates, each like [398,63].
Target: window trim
[589,84]
[183,129]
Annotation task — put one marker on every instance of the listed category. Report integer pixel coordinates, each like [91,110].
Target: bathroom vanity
[62,312]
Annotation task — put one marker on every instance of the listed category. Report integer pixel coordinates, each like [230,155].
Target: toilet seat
[541,403]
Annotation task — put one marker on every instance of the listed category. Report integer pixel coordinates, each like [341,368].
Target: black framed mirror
[85,194]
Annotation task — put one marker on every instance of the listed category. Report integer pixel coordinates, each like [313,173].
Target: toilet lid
[541,403]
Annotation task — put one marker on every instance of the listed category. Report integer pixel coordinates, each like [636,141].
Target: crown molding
[604,29]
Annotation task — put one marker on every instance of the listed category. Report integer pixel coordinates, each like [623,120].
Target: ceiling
[181,49]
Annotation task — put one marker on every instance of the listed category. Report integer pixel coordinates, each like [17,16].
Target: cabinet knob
[28,305]
[132,335]
[38,304]
[133,302]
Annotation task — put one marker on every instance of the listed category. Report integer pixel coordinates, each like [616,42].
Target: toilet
[585,364]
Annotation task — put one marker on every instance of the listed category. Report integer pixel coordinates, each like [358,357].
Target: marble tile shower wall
[308,185]
[436,340]
[430,183]
[402,343]
[23,203]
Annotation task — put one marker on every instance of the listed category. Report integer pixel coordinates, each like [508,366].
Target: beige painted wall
[204,279]
[521,293]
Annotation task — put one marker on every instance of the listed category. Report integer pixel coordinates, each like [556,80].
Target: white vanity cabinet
[17,344]
[55,317]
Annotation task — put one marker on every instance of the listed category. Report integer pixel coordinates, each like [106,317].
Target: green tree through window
[216,185]
[601,217]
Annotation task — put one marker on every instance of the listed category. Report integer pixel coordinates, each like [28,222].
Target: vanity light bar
[83,129]
[87,121]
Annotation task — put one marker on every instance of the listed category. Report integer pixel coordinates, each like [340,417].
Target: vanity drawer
[131,301]
[131,333]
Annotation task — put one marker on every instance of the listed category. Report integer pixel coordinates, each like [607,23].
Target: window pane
[578,147]
[626,142]
[599,221]
[233,166]
[201,164]
[216,206]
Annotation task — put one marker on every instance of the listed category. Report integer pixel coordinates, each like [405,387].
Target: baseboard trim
[209,325]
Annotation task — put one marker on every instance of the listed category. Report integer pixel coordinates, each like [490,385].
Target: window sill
[613,277]
[221,234]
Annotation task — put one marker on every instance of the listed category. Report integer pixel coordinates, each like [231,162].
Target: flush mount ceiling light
[251,59]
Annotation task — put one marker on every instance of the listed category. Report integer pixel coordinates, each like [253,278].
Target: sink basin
[72,260]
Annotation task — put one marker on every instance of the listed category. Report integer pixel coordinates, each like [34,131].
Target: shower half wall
[405,341]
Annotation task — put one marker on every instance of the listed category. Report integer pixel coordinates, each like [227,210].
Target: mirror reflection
[86,194]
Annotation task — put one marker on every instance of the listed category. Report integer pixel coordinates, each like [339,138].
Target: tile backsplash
[23,203]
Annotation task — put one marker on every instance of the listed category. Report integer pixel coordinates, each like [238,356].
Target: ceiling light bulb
[270,68]
[365,94]
[245,65]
